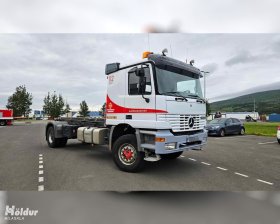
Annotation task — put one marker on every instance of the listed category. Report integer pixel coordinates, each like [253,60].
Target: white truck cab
[154,109]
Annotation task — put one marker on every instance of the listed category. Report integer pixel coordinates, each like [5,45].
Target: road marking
[221,168]
[264,143]
[241,174]
[263,181]
[41,172]
[182,156]
[41,188]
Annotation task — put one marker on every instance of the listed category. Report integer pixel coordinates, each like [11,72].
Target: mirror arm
[146,99]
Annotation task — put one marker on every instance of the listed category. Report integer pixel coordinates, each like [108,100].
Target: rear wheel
[54,142]
[171,155]
[125,154]
[2,123]
[222,133]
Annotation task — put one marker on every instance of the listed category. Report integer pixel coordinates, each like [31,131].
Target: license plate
[193,139]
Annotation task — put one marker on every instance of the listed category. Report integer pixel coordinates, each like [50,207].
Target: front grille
[179,122]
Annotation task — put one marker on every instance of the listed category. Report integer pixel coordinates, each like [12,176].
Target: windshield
[217,121]
[171,83]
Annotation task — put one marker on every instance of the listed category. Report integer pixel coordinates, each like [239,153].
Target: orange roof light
[146,54]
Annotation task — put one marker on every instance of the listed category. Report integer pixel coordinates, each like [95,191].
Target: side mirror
[113,67]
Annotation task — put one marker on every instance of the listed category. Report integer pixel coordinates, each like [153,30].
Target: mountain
[266,102]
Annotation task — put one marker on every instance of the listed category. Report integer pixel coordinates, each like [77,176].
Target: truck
[155,110]
[6,117]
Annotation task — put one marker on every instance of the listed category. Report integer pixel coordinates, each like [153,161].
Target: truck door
[140,108]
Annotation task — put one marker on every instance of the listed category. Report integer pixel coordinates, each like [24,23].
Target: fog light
[170,146]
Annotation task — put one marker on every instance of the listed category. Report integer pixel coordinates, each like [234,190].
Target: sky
[74,64]
[130,16]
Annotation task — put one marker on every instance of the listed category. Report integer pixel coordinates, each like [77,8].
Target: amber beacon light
[146,54]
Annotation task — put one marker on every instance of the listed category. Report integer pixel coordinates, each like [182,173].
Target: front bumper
[213,131]
[183,142]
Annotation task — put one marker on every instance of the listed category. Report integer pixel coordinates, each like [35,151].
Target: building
[274,117]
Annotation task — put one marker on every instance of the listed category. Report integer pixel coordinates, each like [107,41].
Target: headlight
[170,146]
[216,127]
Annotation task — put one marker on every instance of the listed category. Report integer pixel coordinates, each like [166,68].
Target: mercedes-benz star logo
[191,122]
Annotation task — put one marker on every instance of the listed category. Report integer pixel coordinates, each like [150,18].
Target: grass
[261,128]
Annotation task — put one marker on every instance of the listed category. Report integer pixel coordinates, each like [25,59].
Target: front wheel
[125,154]
[222,133]
[242,131]
[170,156]
[2,123]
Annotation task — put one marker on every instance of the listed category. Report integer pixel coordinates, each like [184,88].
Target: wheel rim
[242,131]
[127,154]
[2,123]
[222,133]
[50,137]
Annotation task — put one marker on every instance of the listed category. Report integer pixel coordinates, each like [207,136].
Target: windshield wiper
[176,94]
[198,97]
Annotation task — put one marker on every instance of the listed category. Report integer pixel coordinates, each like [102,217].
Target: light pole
[204,72]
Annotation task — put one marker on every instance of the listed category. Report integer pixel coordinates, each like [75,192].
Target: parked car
[278,134]
[225,126]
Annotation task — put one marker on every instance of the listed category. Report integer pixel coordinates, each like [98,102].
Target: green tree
[103,110]
[54,105]
[20,102]
[84,109]
[208,108]
[67,109]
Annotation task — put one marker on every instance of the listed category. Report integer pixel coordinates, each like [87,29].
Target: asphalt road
[235,163]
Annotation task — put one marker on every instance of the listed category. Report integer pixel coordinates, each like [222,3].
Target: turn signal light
[160,139]
[146,54]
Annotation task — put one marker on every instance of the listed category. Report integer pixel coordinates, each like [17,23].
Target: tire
[170,156]
[125,154]
[222,133]
[3,123]
[278,141]
[242,131]
[54,142]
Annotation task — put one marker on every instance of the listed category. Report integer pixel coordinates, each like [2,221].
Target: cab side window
[134,82]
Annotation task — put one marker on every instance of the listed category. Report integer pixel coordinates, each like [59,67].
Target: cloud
[241,58]
[92,16]
[73,64]
[211,67]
